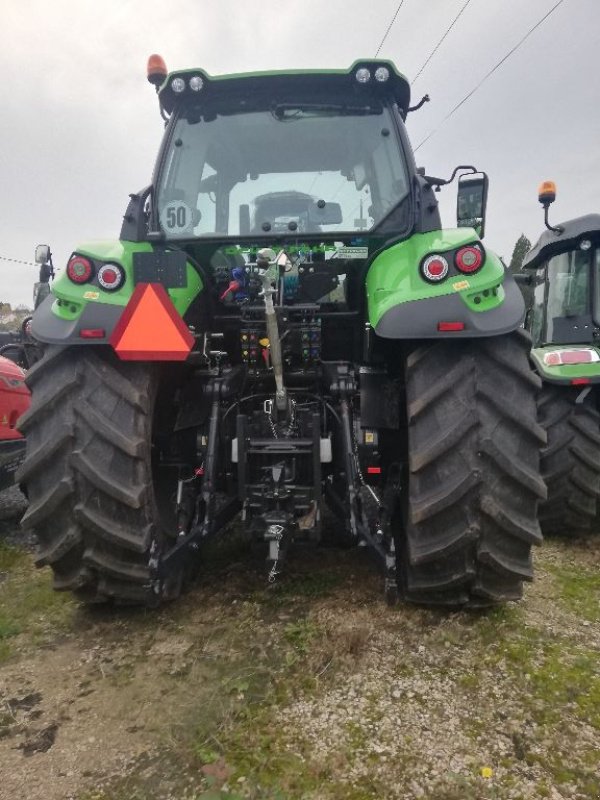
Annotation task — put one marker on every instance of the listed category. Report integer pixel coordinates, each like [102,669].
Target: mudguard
[72,307]
[48,327]
[402,304]
[419,319]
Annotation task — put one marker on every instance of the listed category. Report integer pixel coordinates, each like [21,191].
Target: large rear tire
[89,475]
[474,481]
[571,460]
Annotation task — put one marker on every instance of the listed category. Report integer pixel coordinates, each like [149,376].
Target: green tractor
[562,276]
[283,327]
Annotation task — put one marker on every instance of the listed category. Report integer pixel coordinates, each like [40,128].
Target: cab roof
[289,83]
[551,243]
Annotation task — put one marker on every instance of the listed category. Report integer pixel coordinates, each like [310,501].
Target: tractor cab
[274,157]
[566,284]
[563,320]
[563,272]
[561,275]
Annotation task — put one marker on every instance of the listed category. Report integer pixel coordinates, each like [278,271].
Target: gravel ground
[12,507]
[312,691]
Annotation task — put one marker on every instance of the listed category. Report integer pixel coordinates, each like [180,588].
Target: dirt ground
[314,689]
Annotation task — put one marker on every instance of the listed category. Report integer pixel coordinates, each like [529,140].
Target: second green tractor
[561,274]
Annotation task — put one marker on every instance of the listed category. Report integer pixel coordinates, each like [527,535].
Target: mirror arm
[432,181]
[523,278]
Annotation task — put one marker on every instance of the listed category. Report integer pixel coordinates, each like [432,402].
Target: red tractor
[14,400]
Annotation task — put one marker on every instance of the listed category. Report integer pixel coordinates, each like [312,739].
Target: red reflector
[373,470]
[92,333]
[451,326]
[579,381]
[79,269]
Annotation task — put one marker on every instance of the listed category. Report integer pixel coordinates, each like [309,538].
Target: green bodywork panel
[72,298]
[394,277]
[565,373]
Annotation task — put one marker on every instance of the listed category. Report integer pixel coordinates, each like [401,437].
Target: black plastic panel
[161,266]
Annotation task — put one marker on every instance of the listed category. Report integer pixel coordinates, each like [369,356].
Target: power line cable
[437,47]
[489,74]
[18,261]
[389,28]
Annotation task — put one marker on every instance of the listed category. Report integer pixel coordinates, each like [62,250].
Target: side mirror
[42,254]
[472,201]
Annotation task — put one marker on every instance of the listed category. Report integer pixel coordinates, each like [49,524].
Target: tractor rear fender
[404,304]
[47,326]
[448,316]
[76,307]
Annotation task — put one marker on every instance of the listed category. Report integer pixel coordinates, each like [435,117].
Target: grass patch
[10,557]
[238,742]
[28,604]
[311,585]
[579,591]
[556,678]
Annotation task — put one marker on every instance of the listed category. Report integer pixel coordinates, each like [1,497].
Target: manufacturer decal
[91,295]
[460,285]
[353,252]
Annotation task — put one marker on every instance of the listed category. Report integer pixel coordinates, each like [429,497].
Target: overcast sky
[80,125]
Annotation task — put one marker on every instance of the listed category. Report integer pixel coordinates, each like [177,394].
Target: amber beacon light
[156,70]
[547,192]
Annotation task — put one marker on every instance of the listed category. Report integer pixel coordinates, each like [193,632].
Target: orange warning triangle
[150,329]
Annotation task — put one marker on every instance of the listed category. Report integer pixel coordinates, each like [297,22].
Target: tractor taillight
[468,259]
[434,268]
[576,355]
[80,269]
[111,277]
